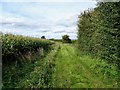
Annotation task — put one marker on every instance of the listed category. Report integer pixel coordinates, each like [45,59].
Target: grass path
[63,67]
[71,70]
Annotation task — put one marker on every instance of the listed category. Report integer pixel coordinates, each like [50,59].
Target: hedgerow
[99,31]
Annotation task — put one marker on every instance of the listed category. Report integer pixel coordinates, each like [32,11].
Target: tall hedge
[99,31]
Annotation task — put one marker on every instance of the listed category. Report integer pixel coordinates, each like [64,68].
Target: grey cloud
[5,23]
[19,24]
[65,31]
[27,25]
[43,30]
[59,31]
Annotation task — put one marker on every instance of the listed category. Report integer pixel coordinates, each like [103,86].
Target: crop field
[19,53]
[13,46]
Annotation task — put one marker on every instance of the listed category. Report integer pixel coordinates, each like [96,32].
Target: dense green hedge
[14,45]
[99,31]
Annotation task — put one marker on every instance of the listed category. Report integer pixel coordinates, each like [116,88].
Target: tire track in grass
[90,79]
[71,72]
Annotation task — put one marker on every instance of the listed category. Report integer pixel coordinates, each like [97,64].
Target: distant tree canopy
[66,39]
[43,37]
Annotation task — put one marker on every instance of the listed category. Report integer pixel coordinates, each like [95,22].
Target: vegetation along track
[72,70]
[65,67]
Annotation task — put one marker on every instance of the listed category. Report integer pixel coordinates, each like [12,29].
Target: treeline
[13,46]
[99,31]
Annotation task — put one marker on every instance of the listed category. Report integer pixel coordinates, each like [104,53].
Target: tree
[43,37]
[66,39]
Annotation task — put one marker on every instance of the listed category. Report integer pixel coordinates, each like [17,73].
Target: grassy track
[63,67]
[73,70]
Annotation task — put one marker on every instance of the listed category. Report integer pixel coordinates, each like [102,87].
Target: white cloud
[36,19]
[10,18]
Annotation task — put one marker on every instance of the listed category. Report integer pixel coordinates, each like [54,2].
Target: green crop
[14,45]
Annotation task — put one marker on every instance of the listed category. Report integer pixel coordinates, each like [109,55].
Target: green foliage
[66,39]
[56,40]
[13,46]
[99,31]
[35,74]
[73,41]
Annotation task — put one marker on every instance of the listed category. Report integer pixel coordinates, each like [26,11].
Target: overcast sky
[37,18]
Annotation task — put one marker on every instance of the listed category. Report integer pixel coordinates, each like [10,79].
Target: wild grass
[75,69]
[30,74]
